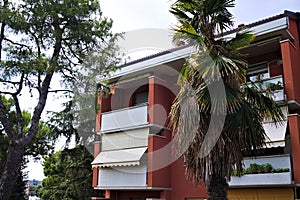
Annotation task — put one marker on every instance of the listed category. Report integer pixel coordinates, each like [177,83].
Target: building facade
[134,157]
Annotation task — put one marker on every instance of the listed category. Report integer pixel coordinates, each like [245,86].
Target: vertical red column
[151,95]
[98,115]
[288,69]
[294,126]
[107,194]
[97,145]
[95,177]
[97,149]
[150,138]
[165,195]
[290,52]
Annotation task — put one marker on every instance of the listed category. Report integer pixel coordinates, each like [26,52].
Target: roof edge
[155,55]
[286,13]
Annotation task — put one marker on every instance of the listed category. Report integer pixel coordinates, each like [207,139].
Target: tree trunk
[217,188]
[11,170]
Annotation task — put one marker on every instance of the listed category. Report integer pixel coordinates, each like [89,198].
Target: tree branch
[20,84]
[10,82]
[5,122]
[2,29]
[38,110]
[19,114]
[65,90]
[45,87]
[14,83]
[16,43]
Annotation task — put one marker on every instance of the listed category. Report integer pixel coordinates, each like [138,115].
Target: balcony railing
[272,178]
[273,86]
[124,118]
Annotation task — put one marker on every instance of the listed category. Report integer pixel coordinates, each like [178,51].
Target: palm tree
[216,116]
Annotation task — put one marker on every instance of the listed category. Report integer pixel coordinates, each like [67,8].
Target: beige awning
[260,193]
[276,134]
[123,157]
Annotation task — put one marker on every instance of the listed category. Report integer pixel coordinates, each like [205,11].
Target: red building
[134,159]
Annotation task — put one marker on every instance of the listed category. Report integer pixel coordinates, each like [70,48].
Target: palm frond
[185,31]
[241,39]
[179,14]
[212,86]
[185,117]
[266,107]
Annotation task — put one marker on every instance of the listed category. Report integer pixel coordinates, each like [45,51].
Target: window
[140,98]
[258,72]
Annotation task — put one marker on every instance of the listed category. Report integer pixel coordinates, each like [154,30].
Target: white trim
[131,188]
[153,62]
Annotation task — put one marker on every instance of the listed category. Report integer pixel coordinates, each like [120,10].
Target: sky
[133,15]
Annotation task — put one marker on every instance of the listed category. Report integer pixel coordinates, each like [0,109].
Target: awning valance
[123,157]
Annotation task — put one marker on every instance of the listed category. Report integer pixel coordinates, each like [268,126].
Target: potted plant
[270,87]
[253,169]
[260,169]
[268,168]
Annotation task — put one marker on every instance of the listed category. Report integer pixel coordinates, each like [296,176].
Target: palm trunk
[217,188]
[11,171]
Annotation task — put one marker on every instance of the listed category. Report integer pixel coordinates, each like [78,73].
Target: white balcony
[273,86]
[278,95]
[122,119]
[265,179]
[131,177]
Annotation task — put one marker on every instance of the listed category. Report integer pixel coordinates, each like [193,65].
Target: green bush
[255,168]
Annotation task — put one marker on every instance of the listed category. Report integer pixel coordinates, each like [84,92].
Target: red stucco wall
[158,177]
[290,51]
[161,97]
[294,124]
[183,188]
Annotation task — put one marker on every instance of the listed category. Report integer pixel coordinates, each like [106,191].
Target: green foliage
[255,168]
[40,40]
[41,146]
[78,115]
[215,111]
[69,175]
[43,142]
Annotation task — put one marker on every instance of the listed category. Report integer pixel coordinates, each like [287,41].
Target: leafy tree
[42,145]
[69,175]
[41,39]
[215,107]
[77,118]
[19,187]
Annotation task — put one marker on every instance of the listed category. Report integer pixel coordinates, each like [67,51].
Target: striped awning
[123,157]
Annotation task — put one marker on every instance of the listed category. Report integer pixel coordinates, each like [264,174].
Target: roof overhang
[268,32]
[150,63]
